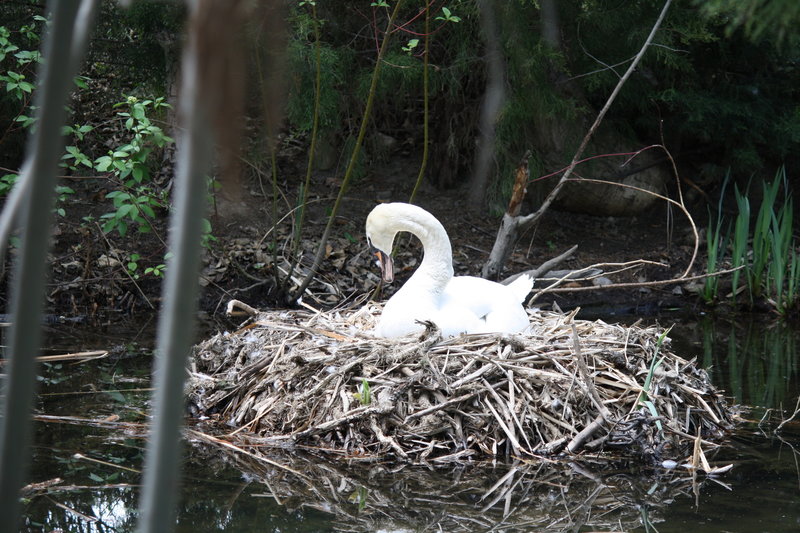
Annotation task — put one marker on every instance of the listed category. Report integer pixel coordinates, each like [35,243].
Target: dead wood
[320,380]
[513,224]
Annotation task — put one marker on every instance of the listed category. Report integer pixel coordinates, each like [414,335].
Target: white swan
[460,304]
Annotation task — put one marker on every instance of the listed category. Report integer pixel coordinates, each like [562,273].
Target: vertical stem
[426,98]
[45,146]
[177,319]
[312,149]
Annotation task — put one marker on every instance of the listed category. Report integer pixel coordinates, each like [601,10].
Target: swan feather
[456,304]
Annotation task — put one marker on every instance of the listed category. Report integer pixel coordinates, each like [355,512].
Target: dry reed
[320,380]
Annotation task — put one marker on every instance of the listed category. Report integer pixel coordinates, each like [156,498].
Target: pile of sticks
[321,380]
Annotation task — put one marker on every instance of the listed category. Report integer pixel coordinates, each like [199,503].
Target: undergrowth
[762,249]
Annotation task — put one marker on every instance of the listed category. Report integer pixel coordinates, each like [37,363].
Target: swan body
[456,304]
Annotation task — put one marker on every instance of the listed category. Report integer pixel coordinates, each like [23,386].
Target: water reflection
[756,364]
[754,361]
[521,496]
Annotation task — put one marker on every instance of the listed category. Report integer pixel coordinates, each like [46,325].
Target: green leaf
[25,120]
[28,56]
[102,163]
[138,111]
[139,173]
[125,210]
[118,195]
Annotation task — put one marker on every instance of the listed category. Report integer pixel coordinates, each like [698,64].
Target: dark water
[756,363]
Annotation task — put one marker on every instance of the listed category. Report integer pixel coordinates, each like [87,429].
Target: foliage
[773,20]
[690,88]
[134,197]
[129,165]
[333,65]
[766,251]
[348,49]
[19,56]
[363,395]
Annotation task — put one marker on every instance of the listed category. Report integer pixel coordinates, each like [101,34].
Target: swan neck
[437,260]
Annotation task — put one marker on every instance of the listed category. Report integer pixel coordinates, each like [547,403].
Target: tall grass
[716,248]
[741,234]
[766,251]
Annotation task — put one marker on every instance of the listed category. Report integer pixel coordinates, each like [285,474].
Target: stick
[511,226]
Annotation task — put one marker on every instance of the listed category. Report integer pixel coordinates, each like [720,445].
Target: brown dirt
[234,265]
[599,240]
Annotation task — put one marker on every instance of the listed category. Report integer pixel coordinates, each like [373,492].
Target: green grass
[766,250]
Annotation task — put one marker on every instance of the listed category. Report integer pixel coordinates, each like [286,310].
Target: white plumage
[456,304]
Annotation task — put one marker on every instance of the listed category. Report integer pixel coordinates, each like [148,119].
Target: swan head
[380,236]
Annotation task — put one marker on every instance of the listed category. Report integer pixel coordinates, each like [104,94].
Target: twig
[124,269]
[511,226]
[796,412]
[544,267]
[637,283]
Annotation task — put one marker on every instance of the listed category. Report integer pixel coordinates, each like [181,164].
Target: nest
[322,381]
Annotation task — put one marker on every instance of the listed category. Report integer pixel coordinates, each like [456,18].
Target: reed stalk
[741,236]
[762,241]
[716,246]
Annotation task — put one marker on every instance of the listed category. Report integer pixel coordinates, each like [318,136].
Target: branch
[512,226]
[353,158]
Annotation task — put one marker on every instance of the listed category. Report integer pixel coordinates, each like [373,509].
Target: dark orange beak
[386,264]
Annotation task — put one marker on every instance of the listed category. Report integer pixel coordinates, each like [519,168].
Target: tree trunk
[550,24]
[492,103]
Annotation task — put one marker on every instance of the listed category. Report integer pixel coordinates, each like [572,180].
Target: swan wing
[493,307]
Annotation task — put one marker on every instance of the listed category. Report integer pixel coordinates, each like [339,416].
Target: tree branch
[512,226]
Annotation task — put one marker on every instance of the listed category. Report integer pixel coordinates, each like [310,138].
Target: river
[88,435]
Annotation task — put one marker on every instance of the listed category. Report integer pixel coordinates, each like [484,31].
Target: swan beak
[386,264]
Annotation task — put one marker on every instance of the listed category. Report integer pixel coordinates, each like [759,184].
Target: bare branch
[512,226]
